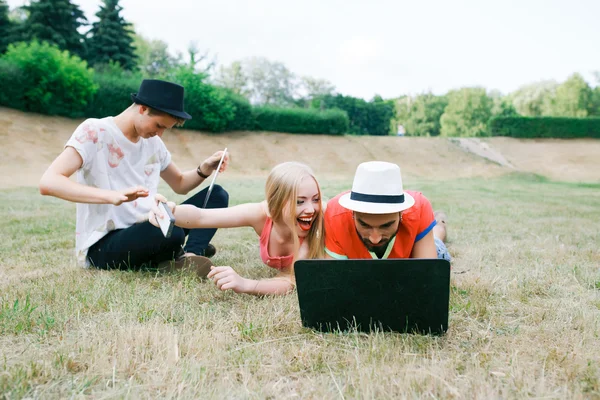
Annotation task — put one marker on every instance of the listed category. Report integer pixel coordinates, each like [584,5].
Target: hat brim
[376,208]
[175,113]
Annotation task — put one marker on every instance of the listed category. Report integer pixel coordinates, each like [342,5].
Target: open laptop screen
[403,295]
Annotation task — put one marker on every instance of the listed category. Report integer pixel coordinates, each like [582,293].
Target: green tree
[211,106]
[501,105]
[6,26]
[573,98]
[232,78]
[534,100]
[467,113]
[403,108]
[595,109]
[17,18]
[200,62]
[313,87]
[56,22]
[382,114]
[110,38]
[269,82]
[154,59]
[421,115]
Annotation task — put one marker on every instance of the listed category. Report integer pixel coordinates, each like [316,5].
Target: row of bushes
[545,127]
[365,118]
[299,120]
[38,77]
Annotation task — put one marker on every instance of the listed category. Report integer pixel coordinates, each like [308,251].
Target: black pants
[144,245]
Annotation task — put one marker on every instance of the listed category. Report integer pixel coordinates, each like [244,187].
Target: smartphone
[168,221]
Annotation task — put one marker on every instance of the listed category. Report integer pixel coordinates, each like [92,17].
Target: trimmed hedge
[113,95]
[209,106]
[243,119]
[545,127]
[365,118]
[299,120]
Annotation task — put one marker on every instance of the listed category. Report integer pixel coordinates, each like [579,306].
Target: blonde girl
[289,223]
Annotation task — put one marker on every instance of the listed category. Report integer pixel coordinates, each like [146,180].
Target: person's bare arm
[227,279]
[55,182]
[424,248]
[183,182]
[191,217]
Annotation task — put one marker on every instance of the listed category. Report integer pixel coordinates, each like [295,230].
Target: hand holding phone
[167,222]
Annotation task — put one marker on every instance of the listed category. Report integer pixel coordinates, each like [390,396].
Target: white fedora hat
[377,189]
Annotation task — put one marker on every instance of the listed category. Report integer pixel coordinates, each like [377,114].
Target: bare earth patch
[31,141]
[572,160]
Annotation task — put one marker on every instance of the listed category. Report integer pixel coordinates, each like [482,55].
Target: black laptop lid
[403,295]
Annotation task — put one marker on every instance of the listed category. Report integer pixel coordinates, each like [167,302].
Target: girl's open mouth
[305,222]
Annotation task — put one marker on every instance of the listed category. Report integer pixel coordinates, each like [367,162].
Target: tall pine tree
[5,27]
[110,38]
[56,22]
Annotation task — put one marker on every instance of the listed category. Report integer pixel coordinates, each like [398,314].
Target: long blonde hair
[281,192]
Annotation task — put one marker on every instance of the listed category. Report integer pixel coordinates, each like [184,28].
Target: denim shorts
[442,250]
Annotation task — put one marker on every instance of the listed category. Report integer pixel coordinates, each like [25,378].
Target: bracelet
[199,172]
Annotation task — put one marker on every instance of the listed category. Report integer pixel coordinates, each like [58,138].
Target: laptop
[402,295]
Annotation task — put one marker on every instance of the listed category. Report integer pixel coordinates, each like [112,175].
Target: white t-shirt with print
[113,162]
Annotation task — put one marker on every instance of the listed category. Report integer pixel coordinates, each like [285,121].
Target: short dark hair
[154,111]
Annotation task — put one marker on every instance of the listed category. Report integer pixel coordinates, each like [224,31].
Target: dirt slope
[31,141]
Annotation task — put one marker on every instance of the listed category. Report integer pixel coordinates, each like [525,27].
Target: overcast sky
[385,47]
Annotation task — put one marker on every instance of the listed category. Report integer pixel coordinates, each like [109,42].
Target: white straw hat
[377,189]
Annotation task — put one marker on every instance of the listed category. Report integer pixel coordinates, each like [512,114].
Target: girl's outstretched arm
[227,279]
[191,217]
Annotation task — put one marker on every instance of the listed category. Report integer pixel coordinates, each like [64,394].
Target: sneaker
[188,262]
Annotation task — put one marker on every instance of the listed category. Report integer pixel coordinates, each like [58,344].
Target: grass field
[524,310]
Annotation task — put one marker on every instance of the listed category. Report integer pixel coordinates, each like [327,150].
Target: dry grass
[524,317]
[524,307]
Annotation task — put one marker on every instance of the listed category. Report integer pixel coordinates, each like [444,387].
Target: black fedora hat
[163,96]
